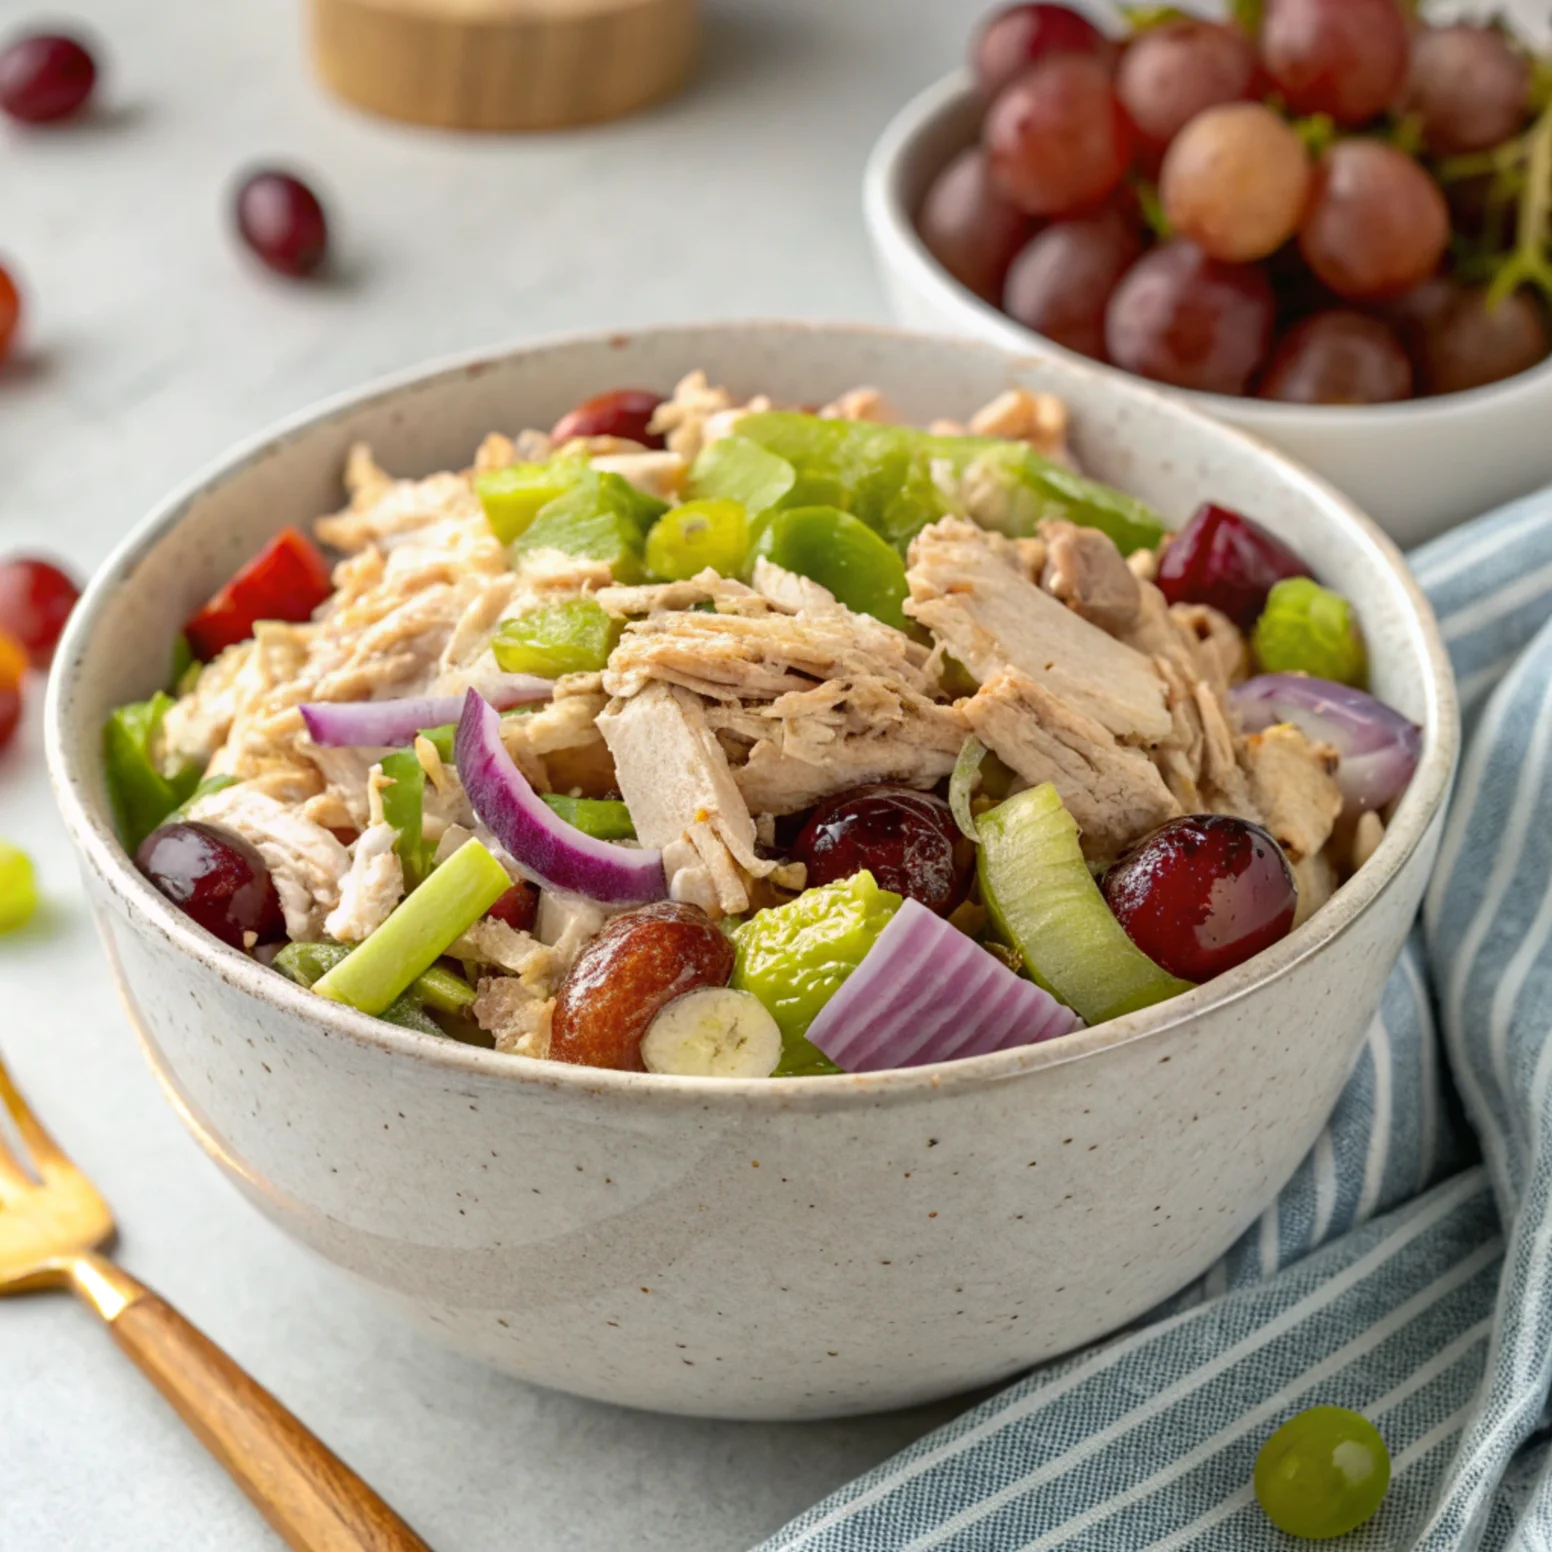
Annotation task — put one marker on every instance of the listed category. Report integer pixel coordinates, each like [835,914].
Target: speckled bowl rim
[92,836]
[891,222]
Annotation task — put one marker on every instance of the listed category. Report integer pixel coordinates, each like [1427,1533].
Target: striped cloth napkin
[1396,1274]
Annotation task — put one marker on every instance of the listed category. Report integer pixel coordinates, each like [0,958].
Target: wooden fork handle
[305,1491]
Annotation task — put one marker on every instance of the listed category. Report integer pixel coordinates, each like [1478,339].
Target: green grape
[575,637]
[1323,1473]
[687,539]
[794,958]
[1308,629]
[18,888]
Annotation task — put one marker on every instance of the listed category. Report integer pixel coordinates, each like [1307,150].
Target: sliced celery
[403,805]
[689,538]
[735,469]
[423,926]
[575,637]
[605,819]
[513,497]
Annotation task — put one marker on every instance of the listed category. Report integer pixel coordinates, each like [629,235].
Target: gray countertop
[150,345]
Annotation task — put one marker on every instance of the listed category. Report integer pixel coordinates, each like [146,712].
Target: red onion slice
[1379,747]
[926,993]
[539,840]
[388,724]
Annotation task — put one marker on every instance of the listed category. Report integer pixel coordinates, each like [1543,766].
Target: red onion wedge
[1379,747]
[540,841]
[389,724]
[926,993]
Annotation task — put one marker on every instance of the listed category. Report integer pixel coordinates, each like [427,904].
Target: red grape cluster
[1334,205]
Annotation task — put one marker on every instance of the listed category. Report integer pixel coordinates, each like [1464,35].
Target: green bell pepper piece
[141,793]
[842,553]
[1044,902]
[736,469]
[602,517]
[424,924]
[403,808]
[605,819]
[1307,629]
[513,497]
[575,637]
[794,958]
[687,539]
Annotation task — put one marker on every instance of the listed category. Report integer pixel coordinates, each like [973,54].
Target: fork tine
[46,1153]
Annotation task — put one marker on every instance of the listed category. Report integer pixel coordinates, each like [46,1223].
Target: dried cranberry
[45,76]
[1202,894]
[281,220]
[518,908]
[906,839]
[1224,559]
[623,413]
[36,598]
[216,878]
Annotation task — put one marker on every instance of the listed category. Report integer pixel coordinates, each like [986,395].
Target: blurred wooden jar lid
[504,64]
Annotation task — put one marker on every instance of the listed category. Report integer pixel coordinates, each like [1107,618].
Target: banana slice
[713,1033]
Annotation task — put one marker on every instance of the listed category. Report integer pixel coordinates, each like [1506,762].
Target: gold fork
[52,1222]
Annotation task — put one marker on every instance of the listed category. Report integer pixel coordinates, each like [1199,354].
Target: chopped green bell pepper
[403,808]
[575,637]
[1307,629]
[687,539]
[602,517]
[605,819]
[141,793]
[425,923]
[736,469]
[513,497]
[794,958]
[1045,903]
[843,554]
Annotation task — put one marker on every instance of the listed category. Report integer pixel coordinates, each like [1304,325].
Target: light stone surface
[152,346]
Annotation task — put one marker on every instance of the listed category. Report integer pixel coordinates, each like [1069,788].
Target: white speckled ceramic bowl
[1416,468]
[781,1250]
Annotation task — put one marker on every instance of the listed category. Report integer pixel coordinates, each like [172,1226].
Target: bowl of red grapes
[1328,218]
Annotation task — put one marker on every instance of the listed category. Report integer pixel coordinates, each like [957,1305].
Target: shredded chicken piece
[789,591]
[1084,569]
[492,942]
[566,923]
[681,419]
[306,862]
[495,452]
[197,724]
[676,782]
[659,474]
[1219,651]
[1368,832]
[1143,564]
[1113,792]
[371,889]
[1037,418]
[1291,781]
[1315,880]
[967,592]
[518,1019]
[729,596]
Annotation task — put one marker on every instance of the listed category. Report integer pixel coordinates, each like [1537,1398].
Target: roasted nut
[638,964]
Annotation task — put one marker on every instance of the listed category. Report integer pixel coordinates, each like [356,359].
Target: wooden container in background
[504,64]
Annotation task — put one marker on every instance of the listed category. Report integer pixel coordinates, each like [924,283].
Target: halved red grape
[906,839]
[1235,182]
[1469,88]
[281,220]
[1057,139]
[1467,344]
[1060,283]
[1222,558]
[1170,73]
[1345,58]
[36,598]
[44,77]
[10,312]
[216,878]
[622,412]
[1181,317]
[1338,357]
[518,908]
[970,229]
[1019,36]
[1377,224]
[1203,894]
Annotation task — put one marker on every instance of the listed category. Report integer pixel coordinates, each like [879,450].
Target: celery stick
[444,991]
[422,927]
[403,805]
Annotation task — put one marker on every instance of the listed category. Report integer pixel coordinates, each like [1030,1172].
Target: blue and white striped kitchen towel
[1394,1274]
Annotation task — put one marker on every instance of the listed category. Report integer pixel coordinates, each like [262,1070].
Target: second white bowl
[1416,468]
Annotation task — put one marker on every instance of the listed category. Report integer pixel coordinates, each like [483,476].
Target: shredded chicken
[1291,781]
[1114,793]
[516,1017]
[371,889]
[787,590]
[1084,569]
